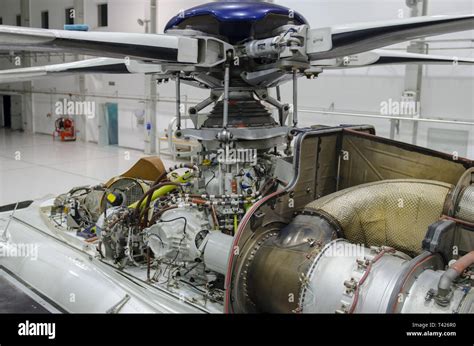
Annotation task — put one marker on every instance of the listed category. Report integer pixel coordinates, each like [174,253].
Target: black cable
[156,235]
[189,270]
[179,245]
[194,286]
[206,293]
[180,217]
[213,177]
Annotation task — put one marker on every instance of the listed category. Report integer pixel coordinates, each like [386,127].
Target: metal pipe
[178,102]
[374,116]
[201,105]
[194,101]
[295,98]
[275,103]
[445,282]
[451,40]
[153,17]
[226,96]
[434,48]
[115,97]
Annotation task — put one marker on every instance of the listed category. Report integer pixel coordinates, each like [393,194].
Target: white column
[81,79]
[27,107]
[414,73]
[150,135]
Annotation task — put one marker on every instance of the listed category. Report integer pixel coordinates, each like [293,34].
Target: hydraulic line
[455,271]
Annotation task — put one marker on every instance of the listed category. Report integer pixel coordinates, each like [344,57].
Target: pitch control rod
[226,96]
[178,101]
[295,98]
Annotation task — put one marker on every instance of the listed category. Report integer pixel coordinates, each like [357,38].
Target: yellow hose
[236,224]
[162,191]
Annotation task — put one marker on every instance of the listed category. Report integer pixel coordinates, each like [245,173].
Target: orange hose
[463,263]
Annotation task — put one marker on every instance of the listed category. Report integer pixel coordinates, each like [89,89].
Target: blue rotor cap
[237,21]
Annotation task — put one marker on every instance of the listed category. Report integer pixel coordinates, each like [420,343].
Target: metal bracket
[4,236]
[115,309]
[283,108]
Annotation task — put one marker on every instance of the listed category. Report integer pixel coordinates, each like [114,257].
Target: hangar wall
[447,91]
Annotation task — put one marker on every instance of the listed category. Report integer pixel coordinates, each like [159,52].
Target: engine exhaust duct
[334,258]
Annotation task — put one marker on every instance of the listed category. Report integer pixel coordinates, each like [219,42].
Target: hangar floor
[35,166]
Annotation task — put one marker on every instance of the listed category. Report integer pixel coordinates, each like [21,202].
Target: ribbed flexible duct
[465,208]
[393,213]
[295,263]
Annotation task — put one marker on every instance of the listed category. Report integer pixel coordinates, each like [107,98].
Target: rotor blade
[166,48]
[388,57]
[340,41]
[97,65]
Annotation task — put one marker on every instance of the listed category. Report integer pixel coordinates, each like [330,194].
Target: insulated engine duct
[358,250]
